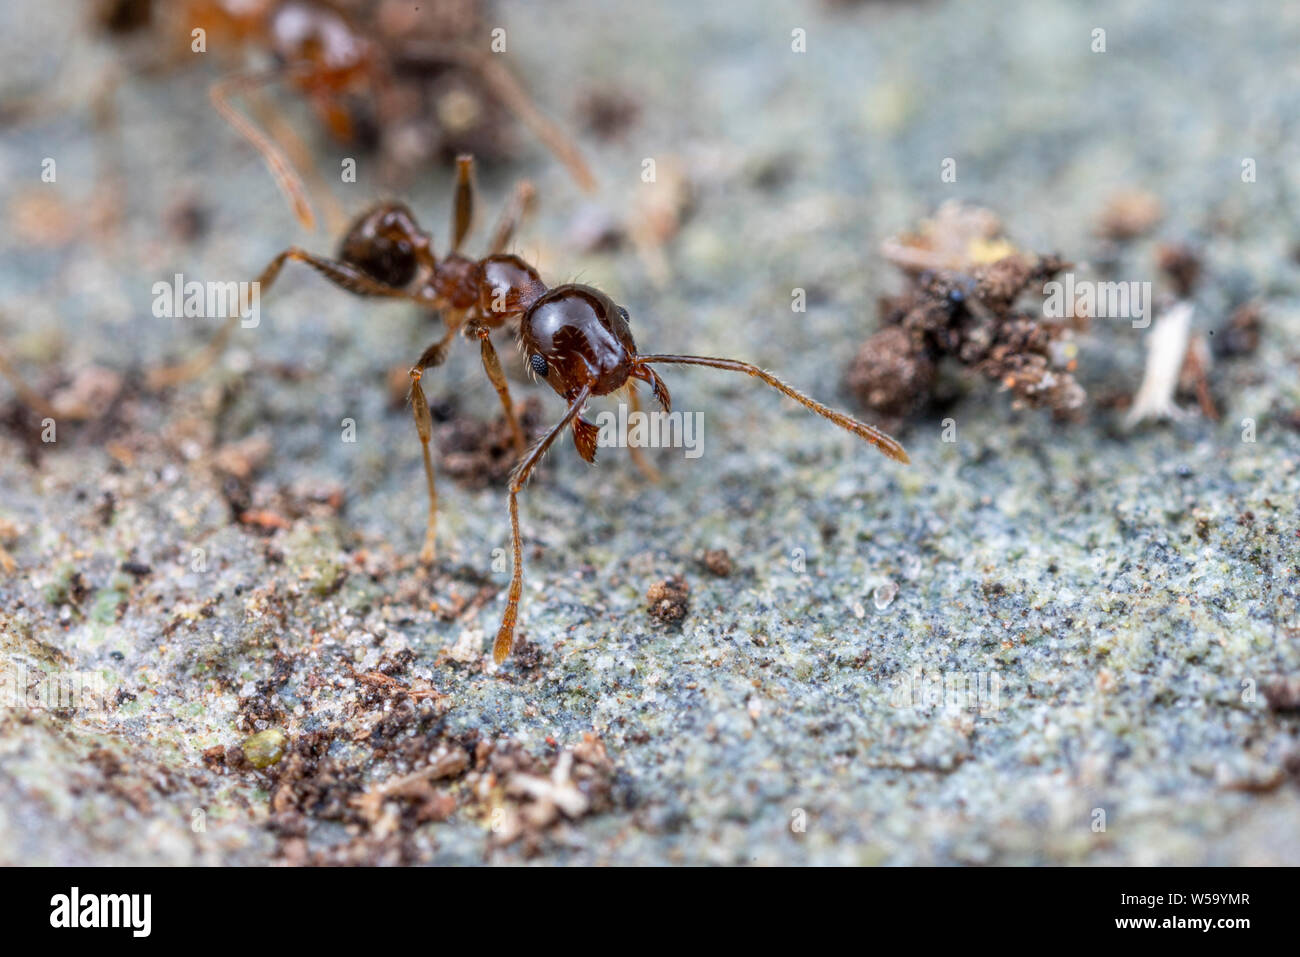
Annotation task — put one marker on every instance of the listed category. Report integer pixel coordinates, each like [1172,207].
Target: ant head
[387,244]
[574,336]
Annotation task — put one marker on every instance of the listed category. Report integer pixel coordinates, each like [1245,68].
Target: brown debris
[1240,337]
[669,600]
[963,280]
[543,794]
[1182,265]
[482,454]
[718,562]
[1128,214]
[1282,692]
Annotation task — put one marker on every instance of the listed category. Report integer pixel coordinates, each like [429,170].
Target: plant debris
[481,454]
[669,599]
[963,280]
[718,562]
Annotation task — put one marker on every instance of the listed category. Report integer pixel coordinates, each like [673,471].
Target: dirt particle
[718,562]
[669,600]
[1282,692]
[1128,214]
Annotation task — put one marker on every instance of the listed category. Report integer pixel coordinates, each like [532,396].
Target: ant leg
[505,639]
[424,426]
[286,177]
[492,366]
[638,456]
[462,210]
[299,157]
[431,357]
[508,90]
[520,205]
[886,443]
[436,354]
[342,274]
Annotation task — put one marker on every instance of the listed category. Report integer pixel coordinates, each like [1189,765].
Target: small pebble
[265,748]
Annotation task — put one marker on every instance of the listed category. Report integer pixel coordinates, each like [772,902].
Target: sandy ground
[1119,600]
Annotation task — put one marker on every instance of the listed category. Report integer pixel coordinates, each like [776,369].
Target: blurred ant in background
[368,68]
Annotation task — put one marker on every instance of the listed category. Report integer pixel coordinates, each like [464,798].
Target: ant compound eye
[538,364]
[623,312]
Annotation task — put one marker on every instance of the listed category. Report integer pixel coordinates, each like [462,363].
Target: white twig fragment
[1166,350]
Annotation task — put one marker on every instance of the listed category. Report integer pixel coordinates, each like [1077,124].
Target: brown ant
[575,338]
[386,254]
[325,56]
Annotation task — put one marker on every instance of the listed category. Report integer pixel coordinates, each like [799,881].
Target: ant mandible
[325,56]
[574,337]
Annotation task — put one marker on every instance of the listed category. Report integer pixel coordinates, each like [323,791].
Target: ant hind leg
[343,275]
[433,356]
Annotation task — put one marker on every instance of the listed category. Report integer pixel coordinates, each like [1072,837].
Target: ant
[386,254]
[575,338]
[326,56]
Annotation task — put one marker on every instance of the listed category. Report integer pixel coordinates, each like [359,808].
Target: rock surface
[1103,607]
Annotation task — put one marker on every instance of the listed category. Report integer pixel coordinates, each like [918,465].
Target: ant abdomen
[386,244]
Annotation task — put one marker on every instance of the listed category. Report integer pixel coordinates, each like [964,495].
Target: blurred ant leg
[107,206]
[342,274]
[505,639]
[508,90]
[638,456]
[286,177]
[424,426]
[492,365]
[520,205]
[299,157]
[462,210]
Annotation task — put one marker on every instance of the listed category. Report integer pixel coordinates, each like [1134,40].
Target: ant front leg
[343,275]
[505,640]
[492,365]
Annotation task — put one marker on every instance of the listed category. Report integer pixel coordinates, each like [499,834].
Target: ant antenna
[879,439]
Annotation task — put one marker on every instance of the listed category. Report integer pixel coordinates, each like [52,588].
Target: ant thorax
[507,287]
